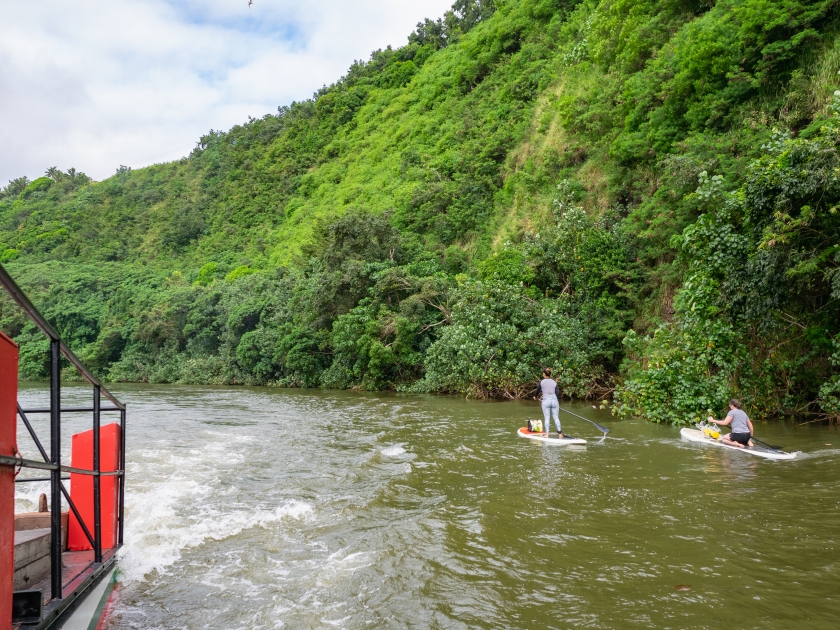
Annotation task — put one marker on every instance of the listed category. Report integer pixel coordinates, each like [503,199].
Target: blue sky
[94,85]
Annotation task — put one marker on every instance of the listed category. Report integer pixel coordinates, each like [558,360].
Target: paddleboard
[693,435]
[553,441]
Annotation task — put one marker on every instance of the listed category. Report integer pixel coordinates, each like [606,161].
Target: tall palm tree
[77,178]
[54,174]
[17,185]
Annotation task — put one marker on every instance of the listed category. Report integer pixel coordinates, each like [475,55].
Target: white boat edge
[552,441]
[693,435]
[88,615]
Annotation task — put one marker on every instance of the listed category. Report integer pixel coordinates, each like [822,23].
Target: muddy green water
[261,508]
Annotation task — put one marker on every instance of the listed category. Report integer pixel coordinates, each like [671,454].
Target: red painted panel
[81,487]
[8,437]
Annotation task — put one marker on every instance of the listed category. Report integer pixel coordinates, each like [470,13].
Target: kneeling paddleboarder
[737,420]
[550,391]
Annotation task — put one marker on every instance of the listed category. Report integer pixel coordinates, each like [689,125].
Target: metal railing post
[55,475]
[97,505]
[121,530]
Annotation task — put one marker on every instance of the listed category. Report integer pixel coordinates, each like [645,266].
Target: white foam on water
[162,515]
[319,577]
[227,437]
[28,494]
[157,537]
[393,451]
[824,452]
[351,562]
[339,623]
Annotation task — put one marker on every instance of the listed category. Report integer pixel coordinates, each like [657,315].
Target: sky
[95,85]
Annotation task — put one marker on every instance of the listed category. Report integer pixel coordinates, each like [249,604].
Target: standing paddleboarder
[737,420]
[550,391]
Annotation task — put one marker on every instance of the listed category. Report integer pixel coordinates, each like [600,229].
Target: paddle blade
[765,444]
[775,448]
[604,430]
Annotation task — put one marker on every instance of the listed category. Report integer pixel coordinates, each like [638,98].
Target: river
[265,508]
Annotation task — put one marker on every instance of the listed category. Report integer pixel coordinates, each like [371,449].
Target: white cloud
[93,84]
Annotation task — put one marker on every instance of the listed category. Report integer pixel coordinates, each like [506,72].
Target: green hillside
[519,186]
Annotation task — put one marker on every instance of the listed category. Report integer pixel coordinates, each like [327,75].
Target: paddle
[605,430]
[770,446]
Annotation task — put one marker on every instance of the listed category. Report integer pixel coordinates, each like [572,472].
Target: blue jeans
[551,406]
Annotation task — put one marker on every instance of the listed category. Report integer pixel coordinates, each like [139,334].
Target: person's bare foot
[559,436]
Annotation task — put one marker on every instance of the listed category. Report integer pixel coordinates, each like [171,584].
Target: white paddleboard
[693,435]
[553,441]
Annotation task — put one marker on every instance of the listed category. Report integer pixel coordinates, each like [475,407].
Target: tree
[16,186]
[463,16]
[54,174]
[77,178]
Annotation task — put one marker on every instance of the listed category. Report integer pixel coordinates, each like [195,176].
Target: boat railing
[52,459]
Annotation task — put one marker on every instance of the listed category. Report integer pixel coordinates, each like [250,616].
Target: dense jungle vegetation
[642,194]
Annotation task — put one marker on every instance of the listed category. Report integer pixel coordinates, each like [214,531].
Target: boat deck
[77,568]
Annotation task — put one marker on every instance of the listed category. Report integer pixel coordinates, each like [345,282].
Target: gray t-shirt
[739,421]
[549,387]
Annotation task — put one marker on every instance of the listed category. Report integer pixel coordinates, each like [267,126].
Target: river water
[266,508]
